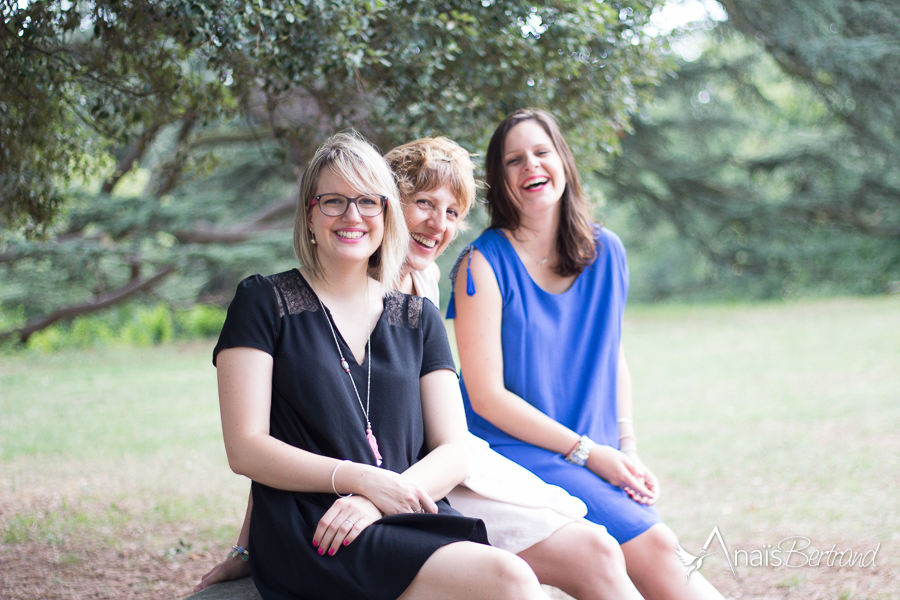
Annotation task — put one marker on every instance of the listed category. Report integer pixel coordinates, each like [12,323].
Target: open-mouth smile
[424,241]
[535,183]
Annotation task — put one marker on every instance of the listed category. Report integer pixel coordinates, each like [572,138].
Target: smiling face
[350,237]
[433,218]
[533,169]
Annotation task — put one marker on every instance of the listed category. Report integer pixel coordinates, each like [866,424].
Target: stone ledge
[243,589]
[239,589]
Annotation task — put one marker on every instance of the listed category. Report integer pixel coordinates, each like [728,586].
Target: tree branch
[99,303]
[133,152]
[172,171]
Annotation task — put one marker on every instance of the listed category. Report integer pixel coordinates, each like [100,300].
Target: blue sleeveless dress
[560,354]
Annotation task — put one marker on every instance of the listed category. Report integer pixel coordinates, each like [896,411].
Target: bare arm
[245,389]
[627,436]
[245,392]
[446,464]
[478,337]
[233,567]
[478,320]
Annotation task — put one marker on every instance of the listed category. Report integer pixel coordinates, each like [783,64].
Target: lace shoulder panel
[294,295]
[403,310]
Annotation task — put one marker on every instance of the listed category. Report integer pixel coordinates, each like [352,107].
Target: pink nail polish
[331,552]
[315,544]
[321,551]
[346,542]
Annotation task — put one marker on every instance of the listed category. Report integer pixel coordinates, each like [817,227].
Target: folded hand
[343,522]
[624,471]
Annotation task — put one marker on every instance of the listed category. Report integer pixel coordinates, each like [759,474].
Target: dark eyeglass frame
[353,201]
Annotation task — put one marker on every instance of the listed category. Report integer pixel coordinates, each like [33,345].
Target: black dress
[315,408]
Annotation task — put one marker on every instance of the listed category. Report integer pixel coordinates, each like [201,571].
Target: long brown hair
[575,241]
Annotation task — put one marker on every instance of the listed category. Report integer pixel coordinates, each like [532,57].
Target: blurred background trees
[770,165]
[157,145]
[153,148]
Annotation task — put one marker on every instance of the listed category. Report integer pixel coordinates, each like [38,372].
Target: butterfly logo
[693,563]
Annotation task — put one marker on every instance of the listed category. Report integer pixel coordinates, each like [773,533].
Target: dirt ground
[69,571]
[32,571]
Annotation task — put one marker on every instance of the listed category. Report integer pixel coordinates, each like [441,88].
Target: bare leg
[584,561]
[657,571]
[470,571]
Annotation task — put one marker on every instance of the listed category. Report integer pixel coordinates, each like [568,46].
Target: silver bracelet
[580,453]
[332,480]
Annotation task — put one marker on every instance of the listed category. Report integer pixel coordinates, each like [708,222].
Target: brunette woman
[538,302]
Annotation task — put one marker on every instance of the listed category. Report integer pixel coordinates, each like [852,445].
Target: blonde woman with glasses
[340,402]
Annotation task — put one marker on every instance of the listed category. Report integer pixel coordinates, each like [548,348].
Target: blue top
[561,355]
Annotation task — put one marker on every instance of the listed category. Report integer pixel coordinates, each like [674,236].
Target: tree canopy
[84,82]
[151,141]
[775,152]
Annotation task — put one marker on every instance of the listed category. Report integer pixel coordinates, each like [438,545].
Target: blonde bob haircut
[358,163]
[427,164]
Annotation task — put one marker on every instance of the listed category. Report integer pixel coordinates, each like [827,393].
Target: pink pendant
[374,444]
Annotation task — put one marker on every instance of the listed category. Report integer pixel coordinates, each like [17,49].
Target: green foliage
[219,105]
[85,81]
[136,325]
[79,78]
[778,192]
[201,321]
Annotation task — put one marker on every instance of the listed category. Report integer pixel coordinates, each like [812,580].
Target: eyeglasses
[335,205]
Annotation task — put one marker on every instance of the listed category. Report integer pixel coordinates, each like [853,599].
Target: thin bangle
[332,480]
[624,420]
[626,436]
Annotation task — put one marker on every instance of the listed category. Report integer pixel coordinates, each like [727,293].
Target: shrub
[132,324]
[201,321]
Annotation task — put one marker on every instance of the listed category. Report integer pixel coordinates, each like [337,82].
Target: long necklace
[373,443]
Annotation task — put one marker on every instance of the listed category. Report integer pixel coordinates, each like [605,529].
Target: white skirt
[519,508]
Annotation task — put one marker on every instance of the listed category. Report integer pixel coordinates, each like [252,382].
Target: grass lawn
[768,421]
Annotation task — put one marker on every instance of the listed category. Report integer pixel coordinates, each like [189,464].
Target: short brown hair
[428,163]
[575,240]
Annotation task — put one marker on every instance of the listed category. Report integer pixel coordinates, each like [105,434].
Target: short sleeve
[436,352]
[253,319]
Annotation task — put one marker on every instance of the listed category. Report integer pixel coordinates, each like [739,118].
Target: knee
[512,575]
[660,541]
[603,549]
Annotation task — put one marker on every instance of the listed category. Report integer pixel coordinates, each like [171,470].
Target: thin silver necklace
[540,262]
[370,437]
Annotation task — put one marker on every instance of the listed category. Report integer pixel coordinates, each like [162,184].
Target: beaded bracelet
[239,551]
